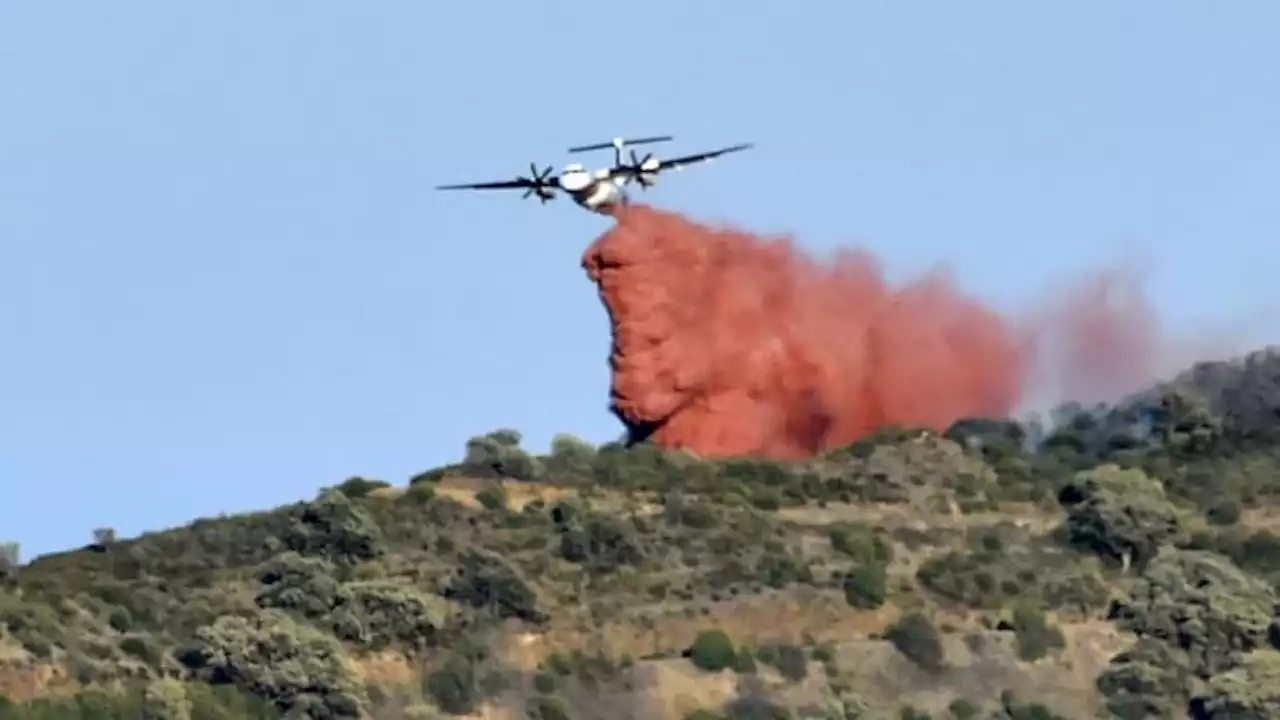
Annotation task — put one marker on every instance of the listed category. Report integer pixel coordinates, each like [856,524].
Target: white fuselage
[594,191]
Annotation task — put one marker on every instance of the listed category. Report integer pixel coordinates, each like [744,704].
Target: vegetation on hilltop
[1117,565]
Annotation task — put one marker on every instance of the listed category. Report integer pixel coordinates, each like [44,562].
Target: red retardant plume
[725,343]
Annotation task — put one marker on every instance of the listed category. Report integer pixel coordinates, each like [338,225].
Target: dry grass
[1024,515]
[23,681]
[388,668]
[796,615]
[1262,518]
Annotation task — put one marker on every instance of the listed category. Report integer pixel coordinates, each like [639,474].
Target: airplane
[600,190]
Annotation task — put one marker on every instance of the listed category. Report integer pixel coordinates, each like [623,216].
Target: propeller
[644,170]
[539,180]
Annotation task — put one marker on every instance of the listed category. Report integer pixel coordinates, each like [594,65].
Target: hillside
[1119,565]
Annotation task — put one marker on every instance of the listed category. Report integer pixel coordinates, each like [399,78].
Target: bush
[1036,637]
[558,663]
[1078,589]
[544,682]
[602,543]
[918,640]
[492,497]
[867,587]
[1259,553]
[975,580]
[713,651]
[166,699]
[792,663]
[358,487]
[861,542]
[453,686]
[755,707]
[1224,512]
[548,708]
[963,709]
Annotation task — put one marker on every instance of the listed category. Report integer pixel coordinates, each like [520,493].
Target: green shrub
[559,663]
[792,663]
[358,487]
[867,587]
[861,542]
[1036,638]
[910,713]
[713,651]
[548,708]
[963,709]
[918,640]
[453,687]
[492,497]
[544,682]
[1224,512]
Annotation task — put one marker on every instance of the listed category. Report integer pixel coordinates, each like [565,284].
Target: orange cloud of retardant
[728,343]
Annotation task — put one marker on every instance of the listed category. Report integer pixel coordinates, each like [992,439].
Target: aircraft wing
[525,183]
[679,162]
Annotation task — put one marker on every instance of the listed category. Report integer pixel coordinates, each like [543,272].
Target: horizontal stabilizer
[614,143]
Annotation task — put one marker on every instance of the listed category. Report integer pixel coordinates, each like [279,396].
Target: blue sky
[225,280]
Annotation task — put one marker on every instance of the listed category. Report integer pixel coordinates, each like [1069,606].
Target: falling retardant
[727,343]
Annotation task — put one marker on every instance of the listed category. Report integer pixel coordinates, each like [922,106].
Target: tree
[334,527]
[1149,680]
[1248,692]
[1200,602]
[293,665]
[498,455]
[485,580]
[1121,515]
